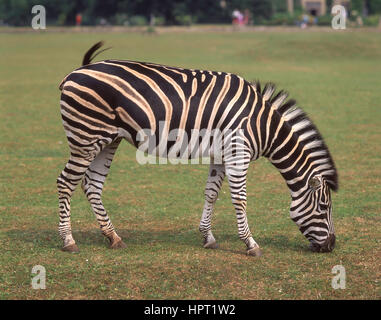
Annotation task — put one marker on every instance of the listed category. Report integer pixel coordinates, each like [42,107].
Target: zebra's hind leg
[67,181]
[236,175]
[213,186]
[92,186]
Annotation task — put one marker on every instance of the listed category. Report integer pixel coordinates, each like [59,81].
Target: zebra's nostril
[314,247]
[327,246]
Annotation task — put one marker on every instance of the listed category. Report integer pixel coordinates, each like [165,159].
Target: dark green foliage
[262,9]
[372,20]
[357,5]
[324,20]
[374,6]
[284,19]
[367,7]
[139,12]
[18,12]
[15,12]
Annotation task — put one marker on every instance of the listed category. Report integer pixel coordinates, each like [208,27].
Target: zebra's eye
[323,207]
[314,183]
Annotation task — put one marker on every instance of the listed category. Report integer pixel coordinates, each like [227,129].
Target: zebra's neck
[286,136]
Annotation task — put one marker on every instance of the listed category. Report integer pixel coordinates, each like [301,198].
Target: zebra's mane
[301,124]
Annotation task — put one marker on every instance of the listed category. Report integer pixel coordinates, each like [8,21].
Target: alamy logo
[177,147]
[339,280]
[38,281]
[39,20]
[340,17]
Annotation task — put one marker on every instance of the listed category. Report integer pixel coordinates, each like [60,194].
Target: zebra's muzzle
[327,246]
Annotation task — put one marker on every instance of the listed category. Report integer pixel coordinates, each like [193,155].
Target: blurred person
[237,17]
[78,19]
[305,20]
[359,21]
[246,17]
[356,17]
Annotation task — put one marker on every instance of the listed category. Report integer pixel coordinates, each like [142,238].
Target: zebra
[104,102]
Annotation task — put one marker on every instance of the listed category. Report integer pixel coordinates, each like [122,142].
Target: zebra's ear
[314,182]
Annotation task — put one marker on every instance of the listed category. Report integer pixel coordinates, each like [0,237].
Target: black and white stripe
[105,102]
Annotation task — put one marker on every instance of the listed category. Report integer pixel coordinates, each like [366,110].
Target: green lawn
[336,79]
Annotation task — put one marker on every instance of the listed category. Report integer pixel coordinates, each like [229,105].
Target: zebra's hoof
[118,245]
[71,248]
[211,245]
[255,252]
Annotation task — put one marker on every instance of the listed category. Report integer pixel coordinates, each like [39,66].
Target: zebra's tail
[88,57]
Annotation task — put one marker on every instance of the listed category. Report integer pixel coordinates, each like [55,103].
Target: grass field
[334,76]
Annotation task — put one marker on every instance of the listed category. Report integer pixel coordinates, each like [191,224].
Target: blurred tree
[262,9]
[210,11]
[357,5]
[280,5]
[18,12]
[374,6]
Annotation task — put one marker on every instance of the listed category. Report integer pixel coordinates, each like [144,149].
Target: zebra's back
[138,96]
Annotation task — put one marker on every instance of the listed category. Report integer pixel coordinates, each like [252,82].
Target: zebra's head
[311,211]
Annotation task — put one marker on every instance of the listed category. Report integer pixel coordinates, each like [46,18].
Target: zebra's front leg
[213,186]
[237,182]
[92,185]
